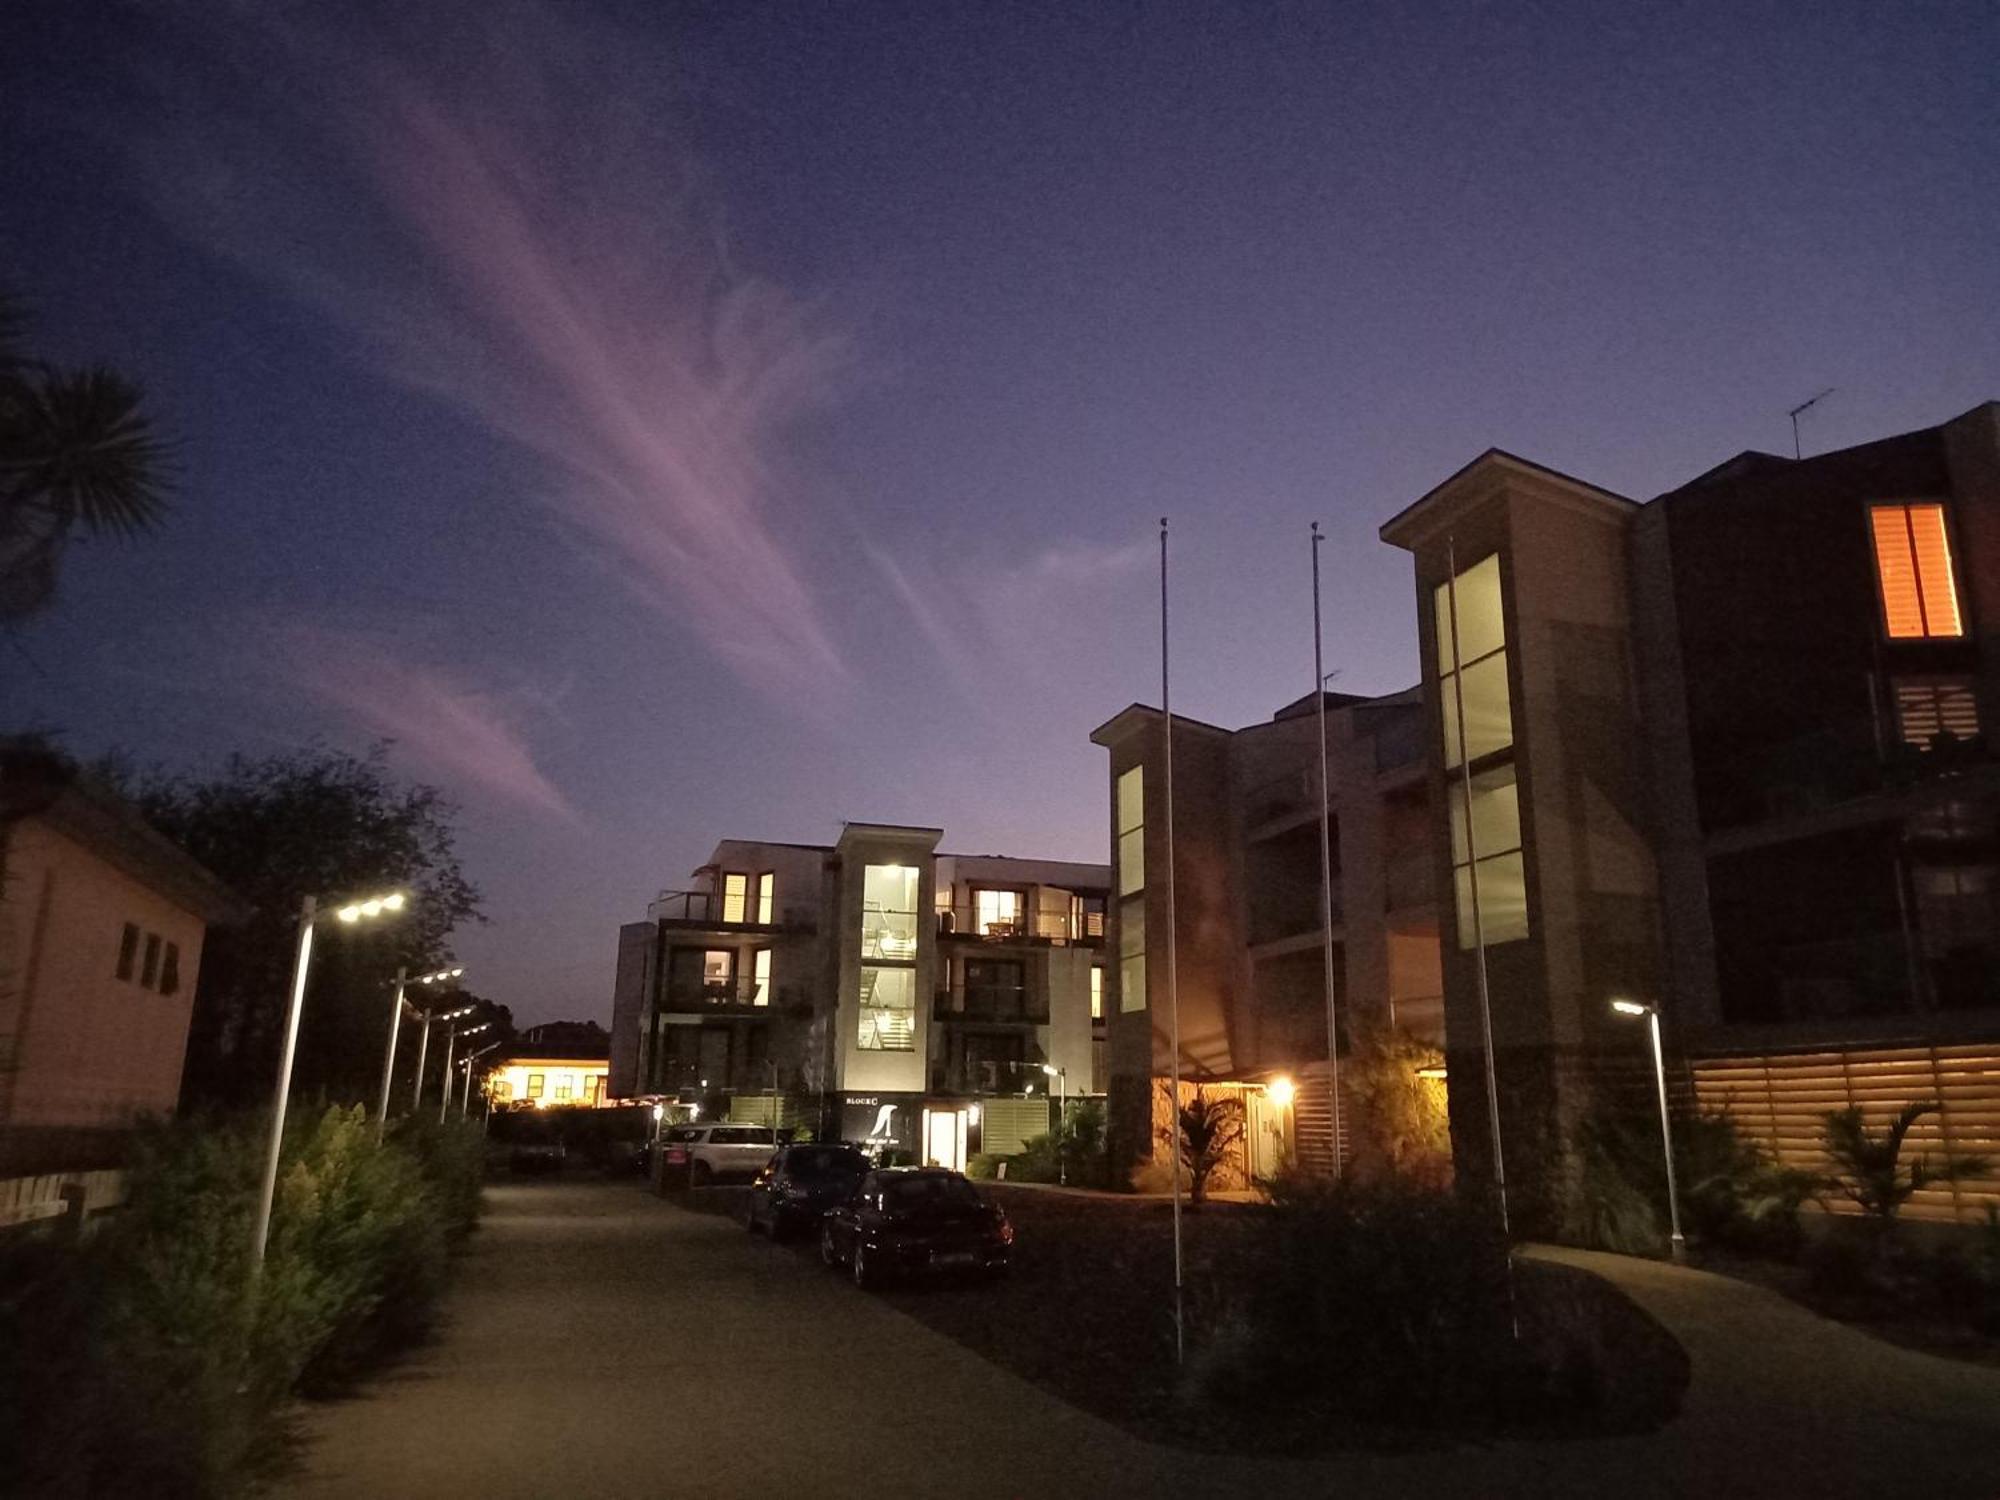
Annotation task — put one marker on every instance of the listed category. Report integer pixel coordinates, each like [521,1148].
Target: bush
[158,1365]
[1401,1124]
[1407,1283]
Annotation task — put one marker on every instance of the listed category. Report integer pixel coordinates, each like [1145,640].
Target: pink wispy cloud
[469,734]
[514,234]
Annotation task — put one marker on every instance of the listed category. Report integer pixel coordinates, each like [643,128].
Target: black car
[802,1182]
[915,1220]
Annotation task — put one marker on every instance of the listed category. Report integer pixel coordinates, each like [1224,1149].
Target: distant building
[876,986]
[1250,929]
[558,1063]
[101,928]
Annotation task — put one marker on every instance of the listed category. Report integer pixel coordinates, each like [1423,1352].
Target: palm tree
[76,453]
[1870,1171]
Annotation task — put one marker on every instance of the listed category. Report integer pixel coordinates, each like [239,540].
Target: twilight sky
[676,421]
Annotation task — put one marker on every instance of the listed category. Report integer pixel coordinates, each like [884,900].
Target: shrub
[1734,1193]
[1408,1284]
[1402,1125]
[1869,1170]
[171,1364]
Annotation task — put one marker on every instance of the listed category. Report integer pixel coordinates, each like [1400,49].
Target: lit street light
[1062,1121]
[465,1097]
[424,1048]
[395,1024]
[1676,1245]
[452,1037]
[350,913]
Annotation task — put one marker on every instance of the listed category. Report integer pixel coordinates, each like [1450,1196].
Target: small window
[735,898]
[170,970]
[1096,992]
[767,898]
[562,1092]
[1936,710]
[718,966]
[536,1083]
[761,978]
[593,1088]
[128,950]
[1913,569]
[149,975]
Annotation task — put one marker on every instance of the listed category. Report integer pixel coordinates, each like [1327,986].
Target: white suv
[708,1151]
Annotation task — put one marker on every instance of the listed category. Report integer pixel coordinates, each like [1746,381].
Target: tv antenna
[1803,406]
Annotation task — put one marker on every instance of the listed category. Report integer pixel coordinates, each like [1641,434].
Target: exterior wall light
[1280,1091]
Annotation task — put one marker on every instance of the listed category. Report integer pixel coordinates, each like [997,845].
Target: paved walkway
[602,1342]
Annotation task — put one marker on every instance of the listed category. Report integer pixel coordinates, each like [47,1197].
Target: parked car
[800,1183]
[915,1220]
[707,1151]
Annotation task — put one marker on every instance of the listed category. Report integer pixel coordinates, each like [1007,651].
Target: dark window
[128,950]
[170,971]
[149,975]
[996,990]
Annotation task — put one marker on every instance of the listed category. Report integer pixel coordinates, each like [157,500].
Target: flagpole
[1173,973]
[1472,883]
[1326,876]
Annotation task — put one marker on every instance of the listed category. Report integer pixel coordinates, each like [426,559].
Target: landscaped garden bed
[1087,1313]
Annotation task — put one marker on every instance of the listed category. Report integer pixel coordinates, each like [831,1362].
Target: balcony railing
[729,994]
[705,909]
[1056,927]
[1001,1003]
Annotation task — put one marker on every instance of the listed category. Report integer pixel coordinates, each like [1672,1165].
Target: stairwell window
[1913,570]
[1499,874]
[1131,811]
[888,1009]
[1934,711]
[1476,670]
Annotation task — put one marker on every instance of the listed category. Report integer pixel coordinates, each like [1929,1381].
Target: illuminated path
[604,1344]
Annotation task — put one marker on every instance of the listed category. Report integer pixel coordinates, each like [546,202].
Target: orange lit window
[1913,565]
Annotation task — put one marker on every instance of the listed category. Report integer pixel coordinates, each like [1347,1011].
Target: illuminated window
[1132,954]
[767,898]
[1935,710]
[1486,860]
[536,1083]
[888,1009]
[562,1091]
[889,913]
[1476,671]
[1131,817]
[149,973]
[1096,993]
[999,913]
[760,977]
[593,1089]
[718,967]
[735,897]
[1913,569]
[128,950]
[170,970]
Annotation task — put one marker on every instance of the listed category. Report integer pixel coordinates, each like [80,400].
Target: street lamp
[465,1097]
[424,1050]
[451,1037]
[349,913]
[395,1025]
[1062,1121]
[1676,1245]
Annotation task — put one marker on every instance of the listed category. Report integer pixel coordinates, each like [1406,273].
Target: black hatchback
[800,1183]
[915,1220]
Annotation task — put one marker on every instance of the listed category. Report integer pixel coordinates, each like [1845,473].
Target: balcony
[704,910]
[993,1005]
[1055,928]
[738,996]
[1291,794]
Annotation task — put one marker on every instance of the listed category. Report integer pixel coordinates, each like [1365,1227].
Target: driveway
[603,1342]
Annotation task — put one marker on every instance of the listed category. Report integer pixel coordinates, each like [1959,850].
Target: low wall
[52,1195]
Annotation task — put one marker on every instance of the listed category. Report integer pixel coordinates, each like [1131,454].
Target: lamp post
[450,1038]
[424,1051]
[465,1098]
[1676,1245]
[1061,1077]
[349,912]
[395,1025]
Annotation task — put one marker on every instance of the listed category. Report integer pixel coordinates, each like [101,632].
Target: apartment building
[1724,753]
[1249,918]
[876,986]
